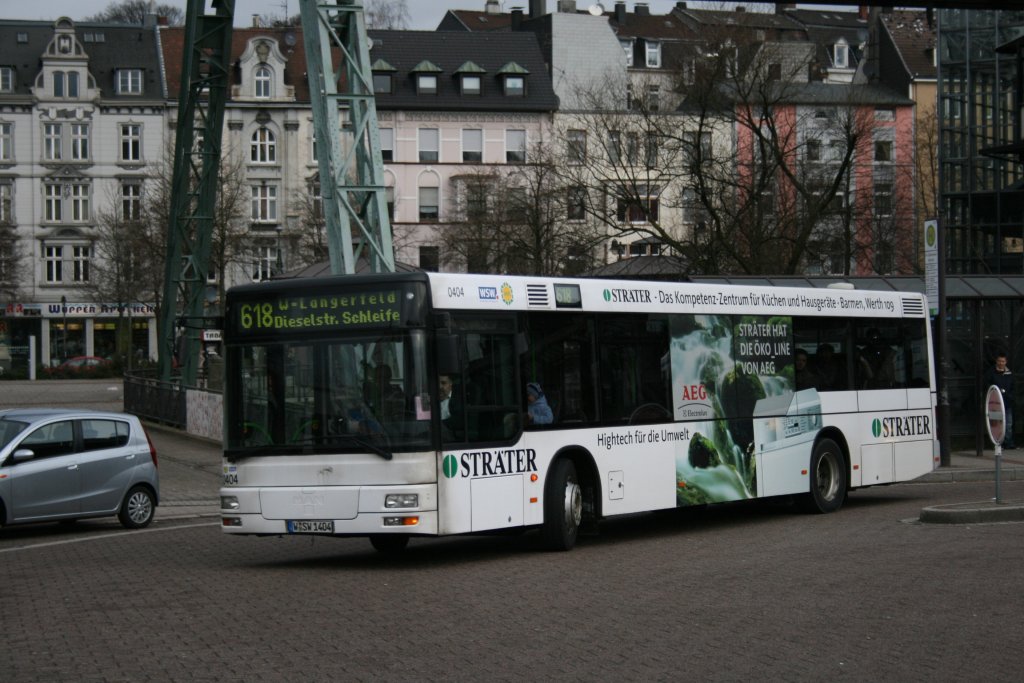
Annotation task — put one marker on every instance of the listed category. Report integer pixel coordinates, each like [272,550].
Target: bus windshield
[364,392]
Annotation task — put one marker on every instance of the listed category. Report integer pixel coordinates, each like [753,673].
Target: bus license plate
[310,526]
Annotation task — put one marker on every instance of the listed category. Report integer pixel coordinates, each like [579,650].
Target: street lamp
[64,310]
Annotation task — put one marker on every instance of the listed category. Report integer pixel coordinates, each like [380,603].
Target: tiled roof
[173,39]
[450,50]
[120,47]
[915,39]
[479,21]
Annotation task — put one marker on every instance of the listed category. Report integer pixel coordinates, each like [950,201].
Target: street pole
[943,413]
[64,311]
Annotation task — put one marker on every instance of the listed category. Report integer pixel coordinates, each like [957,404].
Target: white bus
[571,400]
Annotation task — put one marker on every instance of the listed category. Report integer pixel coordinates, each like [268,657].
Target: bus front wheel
[828,478]
[563,506]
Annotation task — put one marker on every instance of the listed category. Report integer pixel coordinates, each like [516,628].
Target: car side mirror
[23,454]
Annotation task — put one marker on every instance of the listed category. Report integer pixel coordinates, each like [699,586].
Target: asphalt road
[747,592]
[751,592]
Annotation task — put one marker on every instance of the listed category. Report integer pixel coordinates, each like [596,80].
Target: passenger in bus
[444,384]
[876,363]
[827,368]
[802,373]
[538,411]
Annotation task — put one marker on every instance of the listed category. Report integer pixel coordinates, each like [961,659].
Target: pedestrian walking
[1001,376]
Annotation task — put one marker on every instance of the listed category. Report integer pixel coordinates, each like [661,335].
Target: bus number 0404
[456,292]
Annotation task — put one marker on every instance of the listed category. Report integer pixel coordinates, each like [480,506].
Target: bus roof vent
[912,306]
[537,295]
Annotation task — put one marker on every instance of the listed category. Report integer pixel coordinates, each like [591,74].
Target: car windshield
[365,393]
[10,429]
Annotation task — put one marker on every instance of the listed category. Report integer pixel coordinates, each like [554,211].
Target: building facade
[82,120]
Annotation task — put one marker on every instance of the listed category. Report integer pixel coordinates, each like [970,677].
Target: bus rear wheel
[828,478]
[563,507]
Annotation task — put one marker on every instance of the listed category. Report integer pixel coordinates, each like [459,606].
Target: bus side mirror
[448,361]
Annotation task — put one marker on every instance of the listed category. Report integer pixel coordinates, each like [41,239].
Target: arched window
[263,81]
[58,84]
[72,84]
[264,147]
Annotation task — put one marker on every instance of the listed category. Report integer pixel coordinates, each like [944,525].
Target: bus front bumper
[330,510]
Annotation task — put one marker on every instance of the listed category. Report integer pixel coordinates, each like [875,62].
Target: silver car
[60,464]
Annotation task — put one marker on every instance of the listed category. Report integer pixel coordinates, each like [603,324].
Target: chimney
[680,5]
[783,7]
[568,6]
[620,13]
[517,18]
[255,21]
[862,12]
[740,9]
[642,9]
[492,7]
[538,8]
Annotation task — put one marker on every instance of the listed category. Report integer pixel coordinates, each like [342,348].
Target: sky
[425,14]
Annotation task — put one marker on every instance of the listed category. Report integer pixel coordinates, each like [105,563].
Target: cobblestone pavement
[748,592]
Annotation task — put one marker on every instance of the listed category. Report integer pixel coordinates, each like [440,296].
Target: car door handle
[72,467]
[130,456]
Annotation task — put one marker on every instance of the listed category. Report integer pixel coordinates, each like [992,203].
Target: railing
[196,410]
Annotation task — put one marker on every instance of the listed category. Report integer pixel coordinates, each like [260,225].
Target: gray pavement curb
[981,512]
[968,475]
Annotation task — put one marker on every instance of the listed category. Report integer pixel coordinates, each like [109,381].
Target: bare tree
[745,174]
[387,14]
[519,220]
[135,11]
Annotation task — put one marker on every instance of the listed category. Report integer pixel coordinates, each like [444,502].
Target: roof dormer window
[841,54]
[426,77]
[627,47]
[514,79]
[383,78]
[653,53]
[129,81]
[470,78]
[263,80]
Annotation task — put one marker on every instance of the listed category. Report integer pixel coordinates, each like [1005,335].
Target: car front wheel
[137,508]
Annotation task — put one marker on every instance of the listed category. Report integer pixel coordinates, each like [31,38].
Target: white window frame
[436,215]
[841,55]
[131,201]
[53,138]
[387,144]
[263,82]
[264,203]
[265,261]
[6,79]
[263,146]
[53,203]
[472,146]
[81,256]
[6,141]
[80,208]
[129,81]
[131,141]
[53,263]
[515,86]
[576,142]
[429,142]
[652,54]
[79,141]
[6,203]
[512,148]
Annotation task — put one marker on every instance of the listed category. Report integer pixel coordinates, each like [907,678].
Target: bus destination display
[317,312]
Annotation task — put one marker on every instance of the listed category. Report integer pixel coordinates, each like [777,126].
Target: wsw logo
[912,425]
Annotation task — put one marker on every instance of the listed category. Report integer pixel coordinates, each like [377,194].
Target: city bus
[427,404]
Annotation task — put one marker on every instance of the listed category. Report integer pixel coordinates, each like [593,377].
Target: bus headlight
[402,500]
[229,502]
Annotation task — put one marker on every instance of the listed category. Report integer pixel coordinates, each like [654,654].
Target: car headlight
[229,502]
